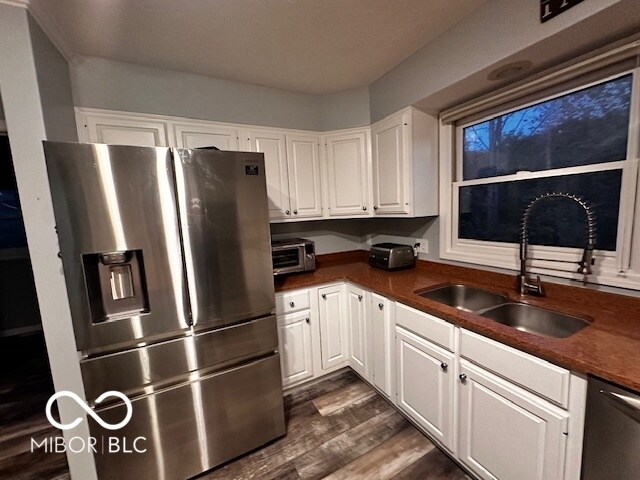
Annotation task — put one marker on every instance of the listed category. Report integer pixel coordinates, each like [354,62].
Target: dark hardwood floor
[341,429]
[25,387]
[337,429]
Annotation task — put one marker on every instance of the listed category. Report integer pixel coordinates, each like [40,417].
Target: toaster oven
[293,255]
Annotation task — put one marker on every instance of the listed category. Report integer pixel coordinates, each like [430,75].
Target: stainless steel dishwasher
[612,433]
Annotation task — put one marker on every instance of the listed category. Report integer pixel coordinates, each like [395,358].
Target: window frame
[620,268]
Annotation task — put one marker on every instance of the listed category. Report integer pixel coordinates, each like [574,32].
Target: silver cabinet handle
[626,404]
[324,296]
[463,377]
[375,207]
[359,298]
[307,320]
[444,366]
[364,207]
[287,212]
[291,304]
[381,306]
[295,212]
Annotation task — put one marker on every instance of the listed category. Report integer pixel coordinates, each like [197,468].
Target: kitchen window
[582,139]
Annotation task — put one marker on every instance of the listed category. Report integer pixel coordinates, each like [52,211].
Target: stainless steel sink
[538,321]
[463,297]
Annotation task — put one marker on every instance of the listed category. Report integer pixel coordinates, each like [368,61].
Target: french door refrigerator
[167,259]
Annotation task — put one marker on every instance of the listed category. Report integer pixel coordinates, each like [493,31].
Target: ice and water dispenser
[115,284]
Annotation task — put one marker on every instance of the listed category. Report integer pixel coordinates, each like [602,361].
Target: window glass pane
[493,212]
[581,128]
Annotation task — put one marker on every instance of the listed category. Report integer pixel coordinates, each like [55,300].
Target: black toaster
[391,256]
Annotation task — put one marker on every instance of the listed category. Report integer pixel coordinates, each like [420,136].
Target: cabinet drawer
[292,301]
[430,327]
[533,373]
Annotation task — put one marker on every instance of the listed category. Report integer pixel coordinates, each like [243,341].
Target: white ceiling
[313,46]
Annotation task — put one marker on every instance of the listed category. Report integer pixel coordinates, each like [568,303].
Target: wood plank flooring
[341,429]
[25,387]
[337,429]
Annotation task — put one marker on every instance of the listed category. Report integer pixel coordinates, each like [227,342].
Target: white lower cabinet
[383,345]
[425,384]
[359,329]
[296,351]
[334,333]
[506,432]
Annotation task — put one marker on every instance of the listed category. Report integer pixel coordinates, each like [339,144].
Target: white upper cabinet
[122,130]
[192,135]
[404,149]
[273,145]
[347,173]
[303,161]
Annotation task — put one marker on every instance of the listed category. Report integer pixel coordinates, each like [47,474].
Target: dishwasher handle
[625,403]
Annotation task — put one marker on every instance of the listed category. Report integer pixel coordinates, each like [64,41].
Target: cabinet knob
[359,298]
[324,296]
[364,207]
[375,207]
[444,366]
[291,304]
[287,212]
[295,212]
[307,320]
[463,377]
[381,306]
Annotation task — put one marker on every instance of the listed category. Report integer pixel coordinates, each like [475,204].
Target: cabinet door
[347,174]
[196,136]
[505,432]
[117,130]
[382,344]
[389,153]
[333,327]
[303,163]
[294,337]
[425,383]
[359,330]
[273,146]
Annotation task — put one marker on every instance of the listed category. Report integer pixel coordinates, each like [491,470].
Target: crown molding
[40,11]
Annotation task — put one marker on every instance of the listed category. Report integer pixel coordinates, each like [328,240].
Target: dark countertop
[608,348]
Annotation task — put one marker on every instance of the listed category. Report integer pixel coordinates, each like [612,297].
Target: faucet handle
[539,288]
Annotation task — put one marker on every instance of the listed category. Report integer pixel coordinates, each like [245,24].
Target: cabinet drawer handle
[444,366]
[381,306]
[295,212]
[324,296]
[463,377]
[291,304]
[364,207]
[359,298]
[287,212]
[375,207]
[307,320]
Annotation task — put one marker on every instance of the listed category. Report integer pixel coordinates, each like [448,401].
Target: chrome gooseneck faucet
[534,287]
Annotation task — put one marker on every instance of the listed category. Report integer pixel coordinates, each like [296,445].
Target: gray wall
[346,109]
[25,118]
[486,37]
[55,87]
[102,83]
[330,236]
[112,85]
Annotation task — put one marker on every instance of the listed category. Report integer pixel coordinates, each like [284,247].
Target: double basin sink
[496,307]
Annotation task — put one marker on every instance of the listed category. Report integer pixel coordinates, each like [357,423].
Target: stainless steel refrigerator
[167,259]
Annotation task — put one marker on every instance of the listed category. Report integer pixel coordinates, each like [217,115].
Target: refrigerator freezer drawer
[193,427]
[132,371]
